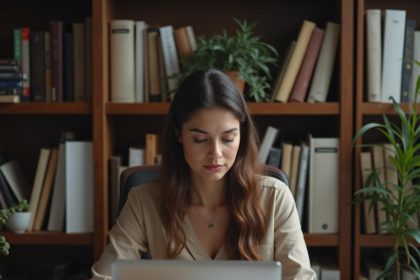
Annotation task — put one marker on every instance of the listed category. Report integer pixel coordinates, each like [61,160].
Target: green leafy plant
[400,201]
[22,206]
[242,52]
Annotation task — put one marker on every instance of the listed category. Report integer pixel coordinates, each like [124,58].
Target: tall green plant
[400,201]
[243,52]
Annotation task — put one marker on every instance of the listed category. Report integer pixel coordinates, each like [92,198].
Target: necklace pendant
[210,226]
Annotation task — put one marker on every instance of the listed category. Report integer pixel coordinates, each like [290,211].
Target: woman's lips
[213,167]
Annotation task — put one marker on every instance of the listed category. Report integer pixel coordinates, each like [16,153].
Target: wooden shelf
[382,108]
[377,240]
[255,108]
[44,108]
[48,238]
[317,240]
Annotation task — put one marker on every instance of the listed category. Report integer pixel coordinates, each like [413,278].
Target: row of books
[147,154]
[312,168]
[56,63]
[307,68]
[378,157]
[390,69]
[61,197]
[143,57]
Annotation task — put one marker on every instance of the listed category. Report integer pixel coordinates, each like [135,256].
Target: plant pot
[234,76]
[18,222]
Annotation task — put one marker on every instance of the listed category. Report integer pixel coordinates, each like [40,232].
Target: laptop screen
[195,270]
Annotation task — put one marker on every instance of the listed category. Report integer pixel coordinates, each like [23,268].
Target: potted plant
[243,56]
[16,219]
[400,201]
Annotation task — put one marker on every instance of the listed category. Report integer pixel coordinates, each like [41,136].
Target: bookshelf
[116,121]
[366,112]
[115,127]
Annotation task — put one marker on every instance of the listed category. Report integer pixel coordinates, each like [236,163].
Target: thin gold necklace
[210,223]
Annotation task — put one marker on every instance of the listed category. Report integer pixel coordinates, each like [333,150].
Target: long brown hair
[207,89]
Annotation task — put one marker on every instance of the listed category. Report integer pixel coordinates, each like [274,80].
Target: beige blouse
[139,229]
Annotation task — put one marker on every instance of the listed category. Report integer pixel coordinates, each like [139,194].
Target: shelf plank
[268,108]
[48,238]
[46,108]
[317,240]
[382,108]
[377,240]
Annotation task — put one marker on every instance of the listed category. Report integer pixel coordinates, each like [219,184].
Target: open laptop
[195,270]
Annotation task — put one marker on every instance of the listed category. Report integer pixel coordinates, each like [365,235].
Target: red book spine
[300,88]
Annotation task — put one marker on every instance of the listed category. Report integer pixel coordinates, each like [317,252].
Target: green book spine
[17,35]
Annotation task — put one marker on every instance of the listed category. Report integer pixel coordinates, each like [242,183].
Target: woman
[211,201]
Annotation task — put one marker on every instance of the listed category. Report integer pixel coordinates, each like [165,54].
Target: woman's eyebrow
[205,132]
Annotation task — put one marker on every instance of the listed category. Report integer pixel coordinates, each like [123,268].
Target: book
[8,197]
[135,156]
[296,59]
[10,98]
[393,47]
[16,180]
[140,56]
[40,173]
[407,59]
[47,65]
[79,61]
[57,67]
[114,164]
[267,142]
[79,186]
[41,211]
[373,54]
[324,67]
[286,159]
[323,185]
[151,141]
[415,73]
[302,179]
[191,37]
[68,53]
[300,89]
[368,212]
[274,157]
[282,69]
[37,66]
[122,61]
[25,65]
[154,92]
[58,201]
[181,42]
[379,165]
[170,57]
[294,168]
[89,57]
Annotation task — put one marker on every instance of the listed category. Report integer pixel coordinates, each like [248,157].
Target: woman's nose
[215,149]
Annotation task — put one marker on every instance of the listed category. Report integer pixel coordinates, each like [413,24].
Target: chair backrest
[138,175]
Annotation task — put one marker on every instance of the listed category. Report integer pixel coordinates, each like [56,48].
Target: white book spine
[268,140]
[170,56]
[324,67]
[374,54]
[140,60]
[323,185]
[394,30]
[79,186]
[416,68]
[122,61]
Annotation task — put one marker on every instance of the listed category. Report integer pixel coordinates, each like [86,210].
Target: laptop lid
[195,270]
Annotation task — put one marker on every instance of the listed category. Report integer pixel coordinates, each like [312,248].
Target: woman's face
[210,140]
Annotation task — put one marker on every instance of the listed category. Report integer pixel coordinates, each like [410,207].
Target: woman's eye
[229,140]
[199,140]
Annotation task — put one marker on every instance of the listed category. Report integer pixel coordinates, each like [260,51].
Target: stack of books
[11,81]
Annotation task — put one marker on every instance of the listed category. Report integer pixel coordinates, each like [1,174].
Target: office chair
[138,175]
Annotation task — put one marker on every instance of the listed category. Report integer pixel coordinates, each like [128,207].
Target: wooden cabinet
[366,112]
